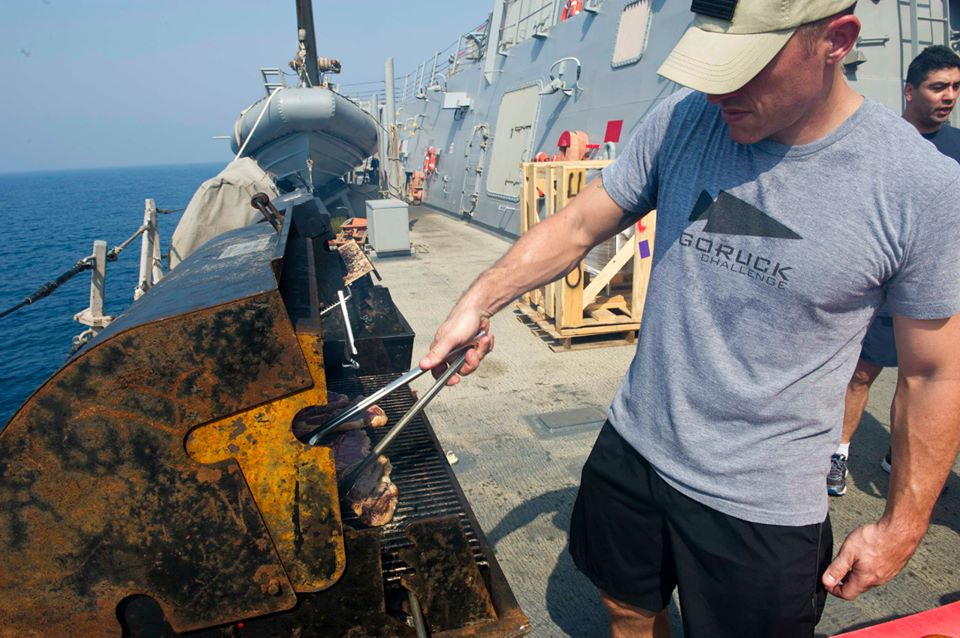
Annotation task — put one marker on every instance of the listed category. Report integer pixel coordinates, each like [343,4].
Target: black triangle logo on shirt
[730,215]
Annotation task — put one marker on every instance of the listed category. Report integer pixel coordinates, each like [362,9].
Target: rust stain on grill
[99,500]
[446,579]
[293,484]
[353,608]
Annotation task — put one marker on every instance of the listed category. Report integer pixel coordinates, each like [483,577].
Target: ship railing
[151,271]
[525,19]
[470,47]
[430,74]
[273,79]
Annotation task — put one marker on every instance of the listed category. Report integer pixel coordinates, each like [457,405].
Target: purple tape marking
[644,249]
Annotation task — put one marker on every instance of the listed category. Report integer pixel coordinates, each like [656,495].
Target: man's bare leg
[858,392]
[627,621]
[854,403]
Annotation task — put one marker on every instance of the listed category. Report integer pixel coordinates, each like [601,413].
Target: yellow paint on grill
[294,485]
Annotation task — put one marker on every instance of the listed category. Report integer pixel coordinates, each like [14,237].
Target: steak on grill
[375,417]
[373,498]
[315,416]
[349,449]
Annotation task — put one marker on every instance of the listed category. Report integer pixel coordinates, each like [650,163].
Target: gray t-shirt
[769,263]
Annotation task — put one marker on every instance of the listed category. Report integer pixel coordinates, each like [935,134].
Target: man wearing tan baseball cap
[731,41]
[789,209]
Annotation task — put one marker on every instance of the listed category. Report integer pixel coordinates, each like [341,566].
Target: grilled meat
[313,417]
[373,498]
[349,449]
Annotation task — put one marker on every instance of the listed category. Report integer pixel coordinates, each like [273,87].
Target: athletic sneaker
[837,478]
[887,460]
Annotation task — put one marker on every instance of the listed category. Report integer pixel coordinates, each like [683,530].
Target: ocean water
[50,221]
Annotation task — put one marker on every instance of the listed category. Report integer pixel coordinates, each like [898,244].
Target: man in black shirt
[931,92]
[933,82]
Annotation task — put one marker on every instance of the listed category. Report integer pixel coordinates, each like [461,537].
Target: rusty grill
[421,472]
[184,514]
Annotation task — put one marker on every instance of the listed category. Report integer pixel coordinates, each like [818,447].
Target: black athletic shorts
[637,538]
[879,346]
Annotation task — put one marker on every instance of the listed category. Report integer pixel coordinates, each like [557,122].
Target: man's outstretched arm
[544,253]
[925,438]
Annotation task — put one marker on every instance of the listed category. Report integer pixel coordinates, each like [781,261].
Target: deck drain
[568,421]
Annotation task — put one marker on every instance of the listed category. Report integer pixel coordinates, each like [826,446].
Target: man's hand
[459,329]
[870,556]
[924,438]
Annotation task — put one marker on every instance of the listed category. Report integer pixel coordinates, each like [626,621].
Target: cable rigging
[82,265]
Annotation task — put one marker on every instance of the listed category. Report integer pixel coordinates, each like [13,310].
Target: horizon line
[27,171]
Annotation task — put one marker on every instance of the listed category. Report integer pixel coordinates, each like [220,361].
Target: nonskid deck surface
[521,477]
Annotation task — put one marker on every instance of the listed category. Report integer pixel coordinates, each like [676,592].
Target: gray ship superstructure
[507,90]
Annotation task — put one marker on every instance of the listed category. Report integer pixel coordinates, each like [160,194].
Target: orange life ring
[572,8]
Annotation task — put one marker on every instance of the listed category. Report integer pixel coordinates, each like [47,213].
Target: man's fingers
[833,577]
[476,354]
[446,341]
[470,364]
[851,587]
[472,360]
[450,337]
[434,359]
[441,348]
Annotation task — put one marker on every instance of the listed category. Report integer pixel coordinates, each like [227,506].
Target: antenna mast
[306,35]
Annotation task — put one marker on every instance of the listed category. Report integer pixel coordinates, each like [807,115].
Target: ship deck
[521,477]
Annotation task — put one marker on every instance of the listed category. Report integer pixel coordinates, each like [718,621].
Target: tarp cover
[221,203]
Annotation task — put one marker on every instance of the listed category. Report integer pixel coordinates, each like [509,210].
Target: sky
[90,83]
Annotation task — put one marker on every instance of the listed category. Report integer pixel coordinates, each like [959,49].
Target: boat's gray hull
[302,124]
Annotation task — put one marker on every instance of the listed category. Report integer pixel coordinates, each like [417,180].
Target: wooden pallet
[586,338]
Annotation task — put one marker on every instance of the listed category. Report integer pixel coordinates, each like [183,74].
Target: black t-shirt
[947,141]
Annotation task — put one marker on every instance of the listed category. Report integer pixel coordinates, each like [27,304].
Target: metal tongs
[455,360]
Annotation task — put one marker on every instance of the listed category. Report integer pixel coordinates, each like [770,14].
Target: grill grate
[421,472]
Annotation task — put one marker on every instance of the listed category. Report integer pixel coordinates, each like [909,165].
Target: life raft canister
[572,8]
[430,161]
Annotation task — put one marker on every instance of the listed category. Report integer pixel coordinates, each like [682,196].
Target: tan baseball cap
[732,40]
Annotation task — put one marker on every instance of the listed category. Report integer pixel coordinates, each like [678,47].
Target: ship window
[632,33]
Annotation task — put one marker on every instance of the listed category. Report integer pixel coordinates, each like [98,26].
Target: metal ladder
[943,35]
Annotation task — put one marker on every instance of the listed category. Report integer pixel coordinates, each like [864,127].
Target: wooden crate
[582,304]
